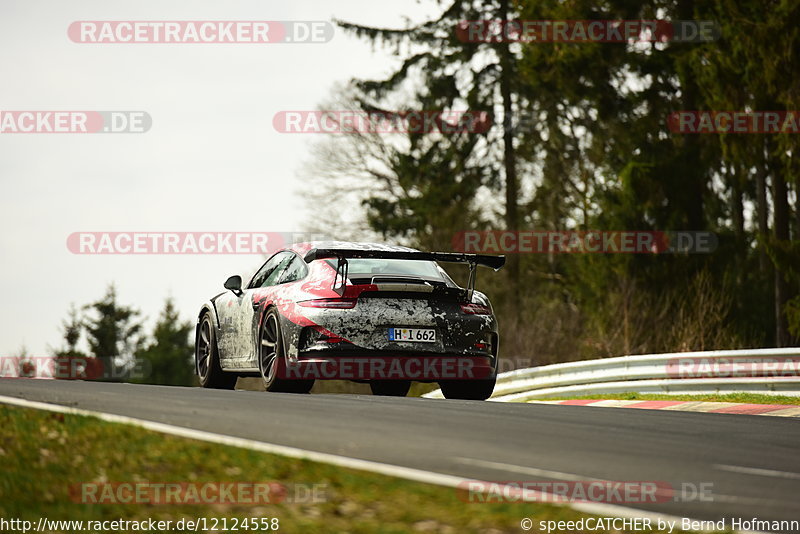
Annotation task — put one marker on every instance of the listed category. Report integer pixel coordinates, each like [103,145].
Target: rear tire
[390,388]
[272,361]
[479,389]
[206,355]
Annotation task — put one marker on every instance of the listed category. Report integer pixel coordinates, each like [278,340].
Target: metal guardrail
[768,371]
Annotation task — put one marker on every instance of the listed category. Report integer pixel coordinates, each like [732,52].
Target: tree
[756,70]
[70,362]
[113,332]
[168,358]
[444,68]
[406,185]
[73,329]
[641,176]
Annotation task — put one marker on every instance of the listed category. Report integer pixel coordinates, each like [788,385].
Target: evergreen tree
[444,68]
[113,333]
[70,361]
[168,358]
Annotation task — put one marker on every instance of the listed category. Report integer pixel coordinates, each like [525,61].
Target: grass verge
[44,453]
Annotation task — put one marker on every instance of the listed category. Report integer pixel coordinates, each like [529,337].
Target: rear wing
[342,255]
[495,262]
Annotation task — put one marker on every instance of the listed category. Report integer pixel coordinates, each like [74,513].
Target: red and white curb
[779,410]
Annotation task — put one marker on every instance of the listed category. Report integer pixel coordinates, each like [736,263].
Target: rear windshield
[371,266]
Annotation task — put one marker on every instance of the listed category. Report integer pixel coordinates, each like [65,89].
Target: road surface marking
[757,471]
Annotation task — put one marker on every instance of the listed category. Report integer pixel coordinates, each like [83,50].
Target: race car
[367,312]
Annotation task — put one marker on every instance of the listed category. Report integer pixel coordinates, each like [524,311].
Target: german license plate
[420,335]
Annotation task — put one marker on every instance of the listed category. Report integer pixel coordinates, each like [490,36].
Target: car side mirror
[234,283]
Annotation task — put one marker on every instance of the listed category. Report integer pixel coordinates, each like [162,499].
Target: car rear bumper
[367,327]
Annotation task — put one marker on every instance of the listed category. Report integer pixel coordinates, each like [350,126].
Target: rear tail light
[341,304]
[476,309]
[314,335]
[327,336]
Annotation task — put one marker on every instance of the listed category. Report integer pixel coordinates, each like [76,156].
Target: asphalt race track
[753,462]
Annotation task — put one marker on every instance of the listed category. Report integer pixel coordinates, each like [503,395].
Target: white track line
[408,473]
[758,472]
[511,468]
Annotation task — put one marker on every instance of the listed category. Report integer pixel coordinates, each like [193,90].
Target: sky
[211,162]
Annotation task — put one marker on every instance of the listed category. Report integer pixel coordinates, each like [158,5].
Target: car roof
[302,248]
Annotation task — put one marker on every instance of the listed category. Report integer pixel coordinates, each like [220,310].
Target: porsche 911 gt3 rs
[381,314]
